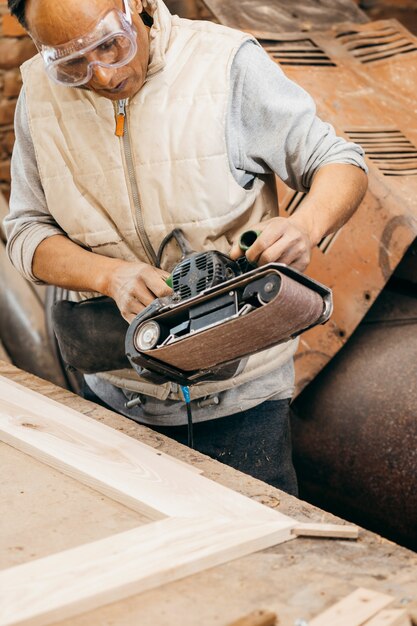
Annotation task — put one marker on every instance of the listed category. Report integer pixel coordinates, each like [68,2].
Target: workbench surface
[48,512]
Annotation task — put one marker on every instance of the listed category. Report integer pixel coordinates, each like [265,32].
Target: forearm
[336,192]
[132,285]
[59,261]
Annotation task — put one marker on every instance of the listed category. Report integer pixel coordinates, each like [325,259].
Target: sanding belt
[294,308]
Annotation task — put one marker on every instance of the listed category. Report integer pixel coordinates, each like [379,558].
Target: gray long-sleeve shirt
[271,127]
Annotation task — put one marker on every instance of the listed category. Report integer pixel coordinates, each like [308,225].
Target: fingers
[129,317]
[280,241]
[134,300]
[259,251]
[236,251]
[138,287]
[288,251]
[155,282]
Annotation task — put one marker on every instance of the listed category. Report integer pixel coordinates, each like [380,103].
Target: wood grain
[390,617]
[257,618]
[113,463]
[354,609]
[199,522]
[342,531]
[77,580]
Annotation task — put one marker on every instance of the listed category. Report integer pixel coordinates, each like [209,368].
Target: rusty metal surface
[405,11]
[284,15]
[353,73]
[407,269]
[356,431]
[3,354]
[190,9]
[355,435]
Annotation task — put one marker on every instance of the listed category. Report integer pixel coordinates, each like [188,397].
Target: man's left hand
[281,240]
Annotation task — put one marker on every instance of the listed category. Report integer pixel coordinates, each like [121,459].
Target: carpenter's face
[53,23]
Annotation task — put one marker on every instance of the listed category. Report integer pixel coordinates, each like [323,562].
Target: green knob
[168,281]
[247,238]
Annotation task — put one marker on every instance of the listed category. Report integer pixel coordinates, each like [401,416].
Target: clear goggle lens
[112,44]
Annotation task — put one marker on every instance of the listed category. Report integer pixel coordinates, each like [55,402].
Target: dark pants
[256,442]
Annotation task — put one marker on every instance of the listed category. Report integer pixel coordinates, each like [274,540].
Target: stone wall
[15,47]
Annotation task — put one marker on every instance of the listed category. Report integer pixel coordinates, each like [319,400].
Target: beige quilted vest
[174,152]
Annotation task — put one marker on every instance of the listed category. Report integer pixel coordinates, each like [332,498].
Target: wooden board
[77,580]
[354,610]
[295,579]
[326,530]
[390,617]
[114,464]
[200,523]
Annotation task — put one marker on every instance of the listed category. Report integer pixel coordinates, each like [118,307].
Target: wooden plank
[353,610]
[342,531]
[57,405]
[268,579]
[188,466]
[390,617]
[207,523]
[74,581]
[113,463]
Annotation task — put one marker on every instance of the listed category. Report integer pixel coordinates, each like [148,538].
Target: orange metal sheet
[285,14]
[363,79]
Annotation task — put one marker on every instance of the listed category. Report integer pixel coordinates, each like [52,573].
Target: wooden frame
[196,523]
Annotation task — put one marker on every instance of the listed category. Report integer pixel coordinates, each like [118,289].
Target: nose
[102,75]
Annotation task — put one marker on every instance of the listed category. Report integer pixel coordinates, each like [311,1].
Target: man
[142,123]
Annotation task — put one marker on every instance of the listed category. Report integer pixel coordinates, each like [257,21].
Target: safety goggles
[112,43]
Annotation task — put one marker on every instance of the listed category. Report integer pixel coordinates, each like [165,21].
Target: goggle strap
[128,12]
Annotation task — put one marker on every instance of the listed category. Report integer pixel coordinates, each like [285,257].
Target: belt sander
[220,313]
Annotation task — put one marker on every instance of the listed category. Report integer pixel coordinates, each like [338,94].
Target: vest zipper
[122,131]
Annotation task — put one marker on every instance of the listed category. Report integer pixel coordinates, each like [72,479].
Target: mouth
[116,89]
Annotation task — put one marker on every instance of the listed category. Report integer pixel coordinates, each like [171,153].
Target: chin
[127,92]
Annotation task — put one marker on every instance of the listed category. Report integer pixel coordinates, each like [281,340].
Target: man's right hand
[135,285]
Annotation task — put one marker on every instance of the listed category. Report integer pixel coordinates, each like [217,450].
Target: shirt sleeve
[29,221]
[272,125]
